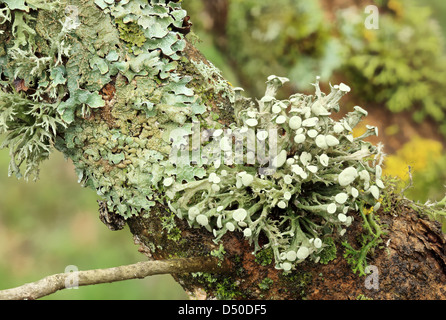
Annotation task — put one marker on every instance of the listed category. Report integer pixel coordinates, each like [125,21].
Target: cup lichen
[121,140]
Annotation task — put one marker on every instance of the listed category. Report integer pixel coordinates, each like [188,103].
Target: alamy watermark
[72,280]
[372,20]
[372,280]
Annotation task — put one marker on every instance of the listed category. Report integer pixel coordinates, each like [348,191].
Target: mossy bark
[410,262]
[410,259]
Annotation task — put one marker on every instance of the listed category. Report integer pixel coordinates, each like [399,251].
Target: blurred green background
[52,223]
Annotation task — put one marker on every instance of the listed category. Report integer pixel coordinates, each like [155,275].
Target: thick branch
[140,270]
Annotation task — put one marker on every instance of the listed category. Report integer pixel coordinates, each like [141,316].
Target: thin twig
[140,270]
[409,185]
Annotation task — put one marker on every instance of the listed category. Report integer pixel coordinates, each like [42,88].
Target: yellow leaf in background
[369,35]
[397,7]
[392,130]
[417,153]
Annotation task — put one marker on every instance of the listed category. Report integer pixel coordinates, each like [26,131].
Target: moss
[368,241]
[169,225]
[219,253]
[329,254]
[390,198]
[406,77]
[296,282]
[131,34]
[266,284]
[264,257]
[227,290]
[205,278]
[221,287]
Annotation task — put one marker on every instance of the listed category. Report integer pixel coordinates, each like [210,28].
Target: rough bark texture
[410,262]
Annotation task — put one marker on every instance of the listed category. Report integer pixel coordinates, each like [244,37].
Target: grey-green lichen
[45,99]
[105,86]
[297,198]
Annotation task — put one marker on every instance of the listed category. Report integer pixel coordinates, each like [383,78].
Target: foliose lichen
[123,111]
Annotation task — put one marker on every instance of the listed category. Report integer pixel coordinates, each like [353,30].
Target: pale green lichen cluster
[46,76]
[115,99]
[45,99]
[321,174]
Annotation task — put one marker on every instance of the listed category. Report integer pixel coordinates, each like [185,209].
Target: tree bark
[410,261]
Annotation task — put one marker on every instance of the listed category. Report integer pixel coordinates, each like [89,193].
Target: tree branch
[140,270]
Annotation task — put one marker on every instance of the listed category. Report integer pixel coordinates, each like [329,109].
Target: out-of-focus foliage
[205,41]
[42,231]
[427,163]
[283,37]
[401,65]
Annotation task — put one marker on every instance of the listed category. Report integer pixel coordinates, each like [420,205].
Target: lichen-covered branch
[195,168]
[125,105]
[140,270]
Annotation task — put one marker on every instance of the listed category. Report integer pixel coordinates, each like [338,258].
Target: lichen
[297,196]
[369,240]
[128,117]
[150,98]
